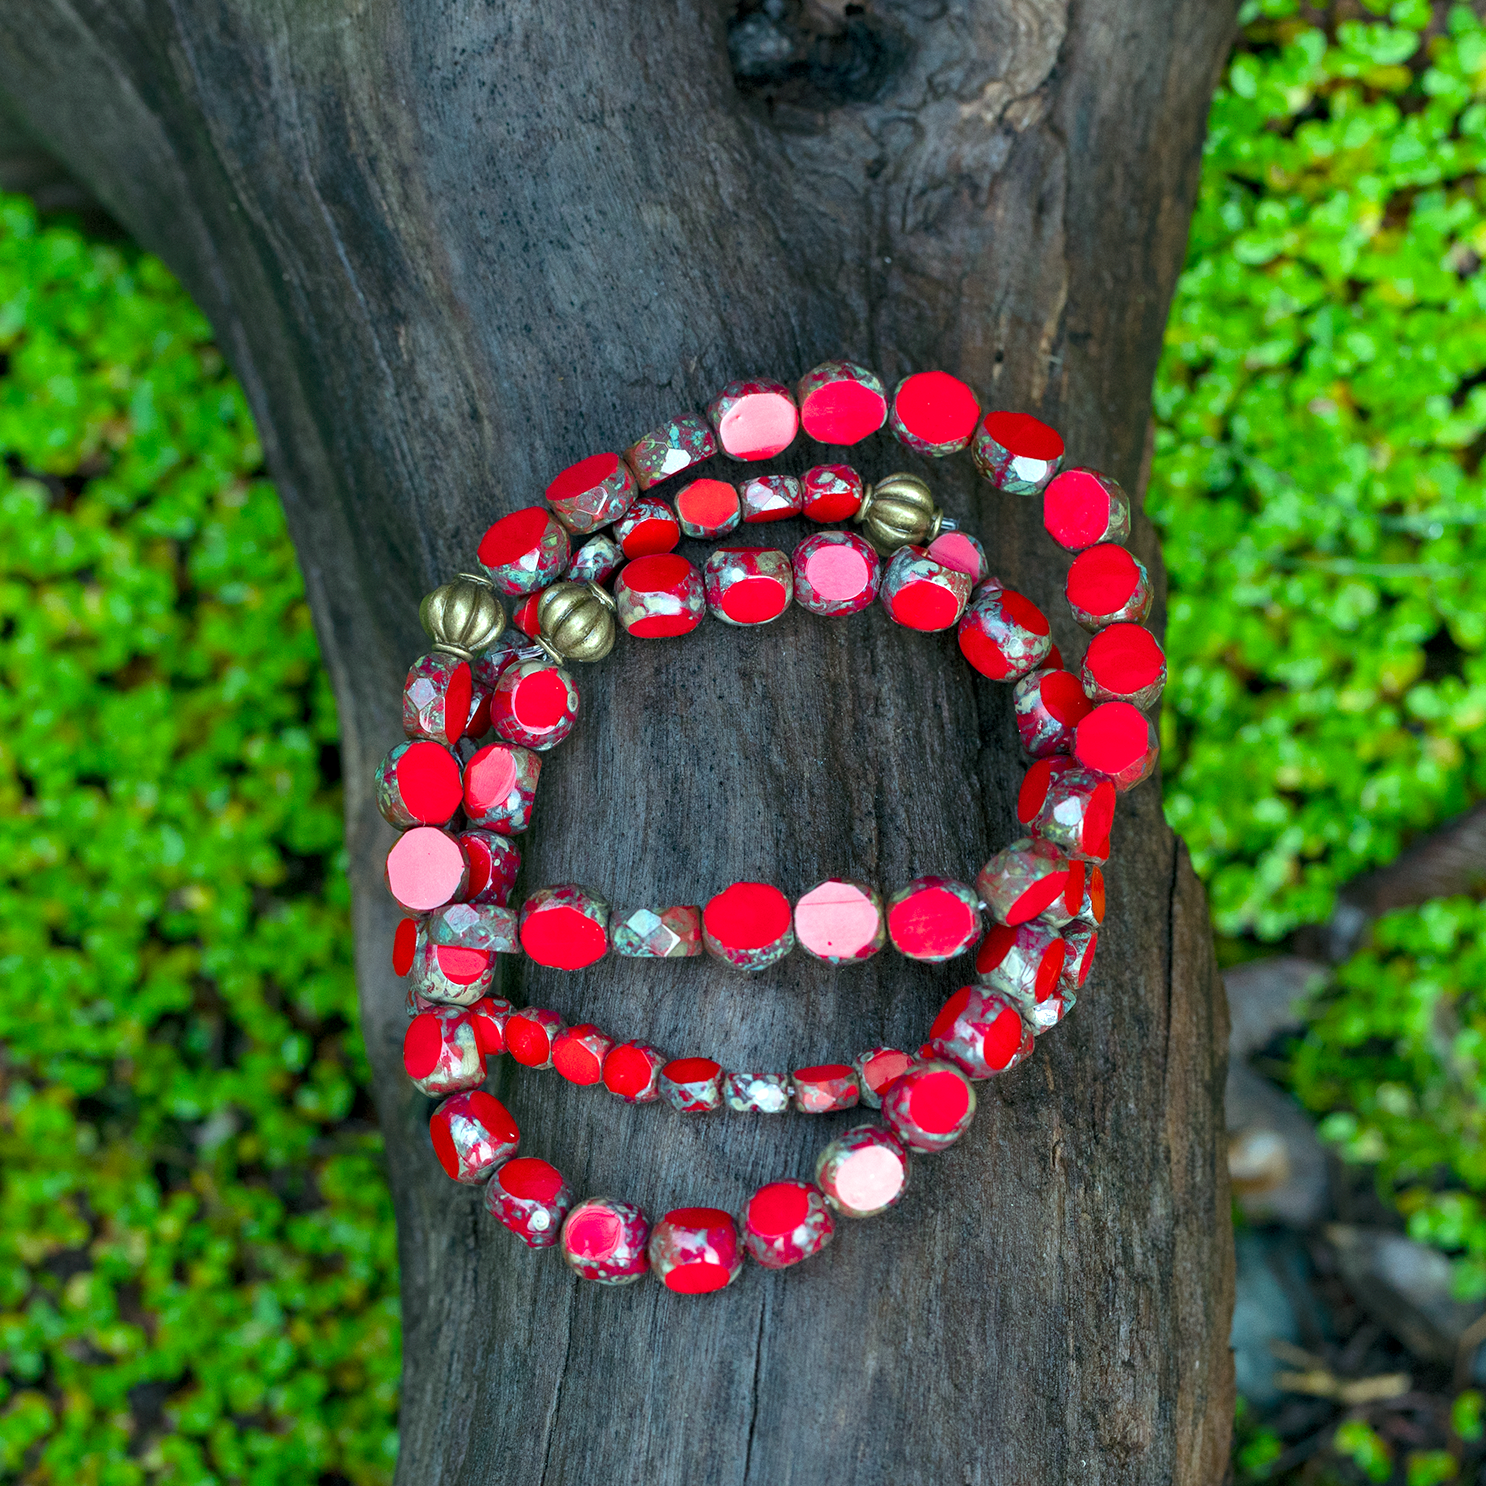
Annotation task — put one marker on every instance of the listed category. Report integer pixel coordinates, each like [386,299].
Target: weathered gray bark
[450,248]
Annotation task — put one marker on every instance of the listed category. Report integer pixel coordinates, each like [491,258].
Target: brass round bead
[576,621]
[462,616]
[900,512]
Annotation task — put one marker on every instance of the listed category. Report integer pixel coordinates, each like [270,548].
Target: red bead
[534,703]
[877,1068]
[825,1088]
[441,1052]
[531,1198]
[524,616]
[1106,584]
[934,413]
[841,922]
[1020,881]
[489,666]
[863,1172]
[1082,942]
[930,1107]
[524,551]
[1023,963]
[696,1250]
[1002,634]
[836,572]
[1016,452]
[747,585]
[668,450]
[530,1035]
[482,926]
[1119,742]
[754,420]
[1064,908]
[1091,903]
[1069,806]
[841,402]
[656,933]
[656,597]
[647,528]
[692,1085]
[748,926]
[1048,706]
[416,783]
[933,919]
[596,561]
[592,493]
[451,974]
[426,869]
[436,698]
[1081,507]
[404,944]
[708,508]
[578,1053]
[472,1135]
[500,786]
[771,498]
[922,594]
[757,1093]
[963,553]
[980,1033]
[490,1015]
[831,492]
[785,1222]
[605,1240]
[565,927]
[494,863]
[1124,663]
[632,1073]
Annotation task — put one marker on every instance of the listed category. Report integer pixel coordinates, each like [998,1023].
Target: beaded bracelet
[458,800]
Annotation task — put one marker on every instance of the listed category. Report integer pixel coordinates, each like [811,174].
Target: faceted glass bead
[531,1198]
[757,1093]
[473,1134]
[605,1240]
[489,1015]
[451,974]
[1064,908]
[696,1250]
[1002,634]
[1107,585]
[632,1072]
[596,561]
[1118,742]
[494,863]
[748,926]
[524,551]
[500,787]
[1050,1013]
[785,1222]
[1016,452]
[565,927]
[530,1035]
[668,450]
[692,1085]
[1124,663]
[524,615]
[1023,964]
[963,553]
[436,698]
[1049,705]
[836,572]
[1091,904]
[656,933]
[922,594]
[426,869]
[1082,941]
[771,497]
[1069,806]
[876,1069]
[754,419]
[592,493]
[747,585]
[930,1107]
[831,492]
[578,1053]
[1020,881]
[841,402]
[441,1052]
[1081,508]
[416,783]
[841,922]
[656,597]
[488,665]
[404,945]
[864,1172]
[708,508]
[825,1088]
[980,1032]
[535,704]
[482,926]
[648,527]
[934,413]
[933,919]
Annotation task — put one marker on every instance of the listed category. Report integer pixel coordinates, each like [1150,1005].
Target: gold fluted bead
[463,616]
[576,621]
[900,512]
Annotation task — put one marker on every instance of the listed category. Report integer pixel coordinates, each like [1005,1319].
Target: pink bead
[922,594]
[757,1093]
[1049,705]
[416,783]
[1107,585]
[671,449]
[1118,742]
[565,926]
[426,869]
[535,704]
[933,919]
[489,1015]
[831,492]
[632,1072]
[863,1172]
[494,863]
[500,787]
[524,551]
[437,698]
[473,1134]
[708,508]
[841,922]
[531,1198]
[530,1035]
[1069,806]
[841,402]
[1124,663]
[876,1069]
[1016,452]
[451,974]
[980,1032]
[692,1085]
[441,1052]
[747,585]
[748,926]
[597,560]
[578,1054]
[754,420]
[656,597]
[605,1240]
[771,498]
[1081,507]
[482,926]
[592,493]
[1002,634]
[934,413]
[930,1107]
[785,1222]
[963,553]
[1023,964]
[825,1088]
[647,528]
[836,572]
[696,1250]
[1023,879]
[656,933]
[1082,941]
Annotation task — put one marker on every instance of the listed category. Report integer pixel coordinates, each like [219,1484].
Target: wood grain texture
[449,248]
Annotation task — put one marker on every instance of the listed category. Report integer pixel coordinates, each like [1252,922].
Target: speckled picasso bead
[1069,806]
[524,551]
[604,1240]
[488,666]
[648,527]
[922,594]
[841,922]
[1082,942]
[451,974]
[747,585]
[632,1072]
[825,1088]
[500,787]
[405,944]
[436,698]
[1003,634]
[708,508]
[670,449]
[416,783]
[771,498]
[962,552]
[1107,585]
[489,1015]
[426,869]
[831,492]
[1082,507]
[1119,743]
[692,1085]
[785,1222]
[535,704]
[473,1133]
[592,493]
[696,1250]
[1021,880]
[565,926]
[930,1107]
[1091,901]
[441,1052]
[757,1093]
[578,1054]
[656,597]
[933,919]
[754,419]
[748,925]
[934,413]
[1064,908]
[1050,1011]
[1124,663]
[836,572]
[1048,705]
[493,865]
[980,1032]
[863,1172]
[841,402]
[483,926]
[531,1198]
[530,1034]
[596,561]
[1016,452]
[656,933]
[1021,963]
[876,1069]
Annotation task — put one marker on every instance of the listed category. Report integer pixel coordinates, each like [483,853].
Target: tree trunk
[451,248]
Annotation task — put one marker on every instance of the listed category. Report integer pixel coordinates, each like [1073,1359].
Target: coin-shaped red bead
[785,1222]
[500,787]
[1082,507]
[648,527]
[592,493]
[963,553]
[841,402]
[426,869]
[531,1034]
[748,926]
[930,1107]
[524,551]
[578,1053]
[1082,941]
[1124,663]
[1069,806]
[748,585]
[1003,634]
[531,1198]
[696,1250]
[933,919]
[1023,963]
[836,572]
[632,1072]
[1016,452]
[656,597]
[708,508]
[922,594]
[473,1133]
[490,1015]
[535,703]
[596,561]
[565,926]
[934,413]
[832,492]
[754,419]
[418,784]
[1119,742]
[1106,584]
[605,1240]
